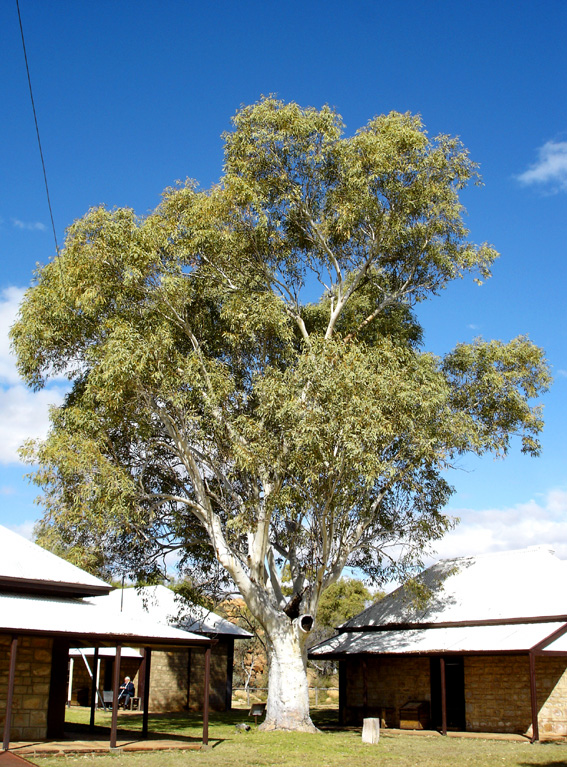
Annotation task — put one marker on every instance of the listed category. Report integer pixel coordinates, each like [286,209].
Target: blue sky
[131,96]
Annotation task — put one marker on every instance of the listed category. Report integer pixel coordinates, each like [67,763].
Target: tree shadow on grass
[553,763]
[102,733]
[554,759]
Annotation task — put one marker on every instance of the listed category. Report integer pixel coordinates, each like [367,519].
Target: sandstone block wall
[218,682]
[551,676]
[497,691]
[384,682]
[168,681]
[31,689]
[497,694]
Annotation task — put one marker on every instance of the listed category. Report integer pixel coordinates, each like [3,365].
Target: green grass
[330,748]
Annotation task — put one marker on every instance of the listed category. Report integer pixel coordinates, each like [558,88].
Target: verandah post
[115,693]
[10,697]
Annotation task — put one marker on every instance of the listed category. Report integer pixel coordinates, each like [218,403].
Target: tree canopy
[249,386]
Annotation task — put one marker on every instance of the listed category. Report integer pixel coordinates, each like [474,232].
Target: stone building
[482,649]
[177,676]
[47,606]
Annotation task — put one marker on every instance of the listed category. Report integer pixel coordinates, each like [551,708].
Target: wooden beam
[94,690]
[70,684]
[443,696]
[115,693]
[147,664]
[206,696]
[229,670]
[342,691]
[10,698]
[533,699]
[364,688]
[540,646]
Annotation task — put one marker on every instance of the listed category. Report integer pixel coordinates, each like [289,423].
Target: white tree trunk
[288,692]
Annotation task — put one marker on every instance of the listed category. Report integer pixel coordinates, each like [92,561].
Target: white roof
[24,561]
[508,585]
[519,637]
[104,652]
[90,618]
[169,609]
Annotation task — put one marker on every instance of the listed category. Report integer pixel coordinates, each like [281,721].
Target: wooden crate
[414,715]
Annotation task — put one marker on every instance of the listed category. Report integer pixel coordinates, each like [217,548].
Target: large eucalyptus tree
[248,382]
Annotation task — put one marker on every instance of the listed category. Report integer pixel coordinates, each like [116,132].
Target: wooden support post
[10,697]
[364,688]
[147,662]
[443,697]
[142,679]
[115,693]
[533,698]
[189,666]
[206,696]
[229,671]
[70,685]
[342,691]
[94,690]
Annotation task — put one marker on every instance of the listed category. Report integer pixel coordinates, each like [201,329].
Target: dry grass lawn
[330,748]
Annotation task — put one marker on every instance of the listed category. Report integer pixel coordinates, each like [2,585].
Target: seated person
[127,691]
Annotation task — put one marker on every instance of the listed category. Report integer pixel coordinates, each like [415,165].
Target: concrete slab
[98,744]
[8,759]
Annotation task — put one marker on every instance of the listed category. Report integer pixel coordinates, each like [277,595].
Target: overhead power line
[37,133]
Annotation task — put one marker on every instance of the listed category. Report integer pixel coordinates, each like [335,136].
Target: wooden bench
[133,703]
[108,701]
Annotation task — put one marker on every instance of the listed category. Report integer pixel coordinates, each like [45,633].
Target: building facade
[177,676]
[47,606]
[485,652]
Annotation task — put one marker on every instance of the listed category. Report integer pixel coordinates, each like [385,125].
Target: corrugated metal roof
[507,585]
[22,561]
[168,608]
[560,645]
[89,618]
[105,652]
[519,637]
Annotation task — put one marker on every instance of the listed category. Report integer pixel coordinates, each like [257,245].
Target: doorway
[454,690]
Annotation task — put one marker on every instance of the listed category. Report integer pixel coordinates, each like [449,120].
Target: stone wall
[497,694]
[378,683]
[218,681]
[497,691]
[168,681]
[551,676]
[31,689]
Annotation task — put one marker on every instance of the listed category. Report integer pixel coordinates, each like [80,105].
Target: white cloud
[536,522]
[550,168]
[24,415]
[34,226]
[10,299]
[25,529]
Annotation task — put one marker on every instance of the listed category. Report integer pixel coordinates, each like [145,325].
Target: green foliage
[216,414]
[342,601]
